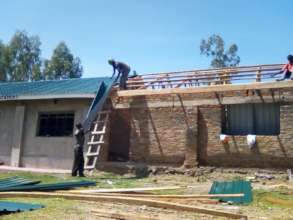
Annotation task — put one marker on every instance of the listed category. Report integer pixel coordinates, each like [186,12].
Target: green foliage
[63,64]
[24,61]
[20,60]
[3,66]
[214,47]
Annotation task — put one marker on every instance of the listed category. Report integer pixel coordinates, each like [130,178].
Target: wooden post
[258,75]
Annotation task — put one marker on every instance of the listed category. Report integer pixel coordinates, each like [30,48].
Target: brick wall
[163,131]
[164,135]
[271,151]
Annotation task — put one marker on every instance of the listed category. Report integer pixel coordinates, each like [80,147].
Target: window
[258,119]
[55,124]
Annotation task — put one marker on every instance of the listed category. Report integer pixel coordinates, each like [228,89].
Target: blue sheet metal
[49,186]
[98,103]
[233,187]
[16,181]
[17,206]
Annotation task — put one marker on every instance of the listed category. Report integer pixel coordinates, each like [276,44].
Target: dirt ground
[273,195]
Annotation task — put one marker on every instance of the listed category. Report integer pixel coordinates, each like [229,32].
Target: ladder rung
[92,154]
[95,142]
[96,122]
[89,167]
[98,132]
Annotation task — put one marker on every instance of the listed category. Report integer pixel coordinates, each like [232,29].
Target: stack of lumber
[126,196]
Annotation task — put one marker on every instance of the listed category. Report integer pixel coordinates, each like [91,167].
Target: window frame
[51,113]
[254,119]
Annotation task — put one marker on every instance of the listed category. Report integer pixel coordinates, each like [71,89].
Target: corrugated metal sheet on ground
[50,186]
[18,206]
[20,184]
[16,181]
[233,187]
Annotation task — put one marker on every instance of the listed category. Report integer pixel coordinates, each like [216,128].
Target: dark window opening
[258,119]
[55,124]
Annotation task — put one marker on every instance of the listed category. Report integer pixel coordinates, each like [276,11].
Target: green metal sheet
[17,206]
[49,186]
[16,181]
[233,187]
[52,87]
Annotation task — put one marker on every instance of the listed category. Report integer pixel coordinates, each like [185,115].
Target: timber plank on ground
[126,200]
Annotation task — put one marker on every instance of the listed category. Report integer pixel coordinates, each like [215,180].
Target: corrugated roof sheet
[21,184]
[233,187]
[70,87]
[18,207]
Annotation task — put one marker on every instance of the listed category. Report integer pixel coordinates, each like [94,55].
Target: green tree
[23,57]
[63,64]
[3,63]
[214,47]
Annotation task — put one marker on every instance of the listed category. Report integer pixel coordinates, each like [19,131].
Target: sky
[153,35]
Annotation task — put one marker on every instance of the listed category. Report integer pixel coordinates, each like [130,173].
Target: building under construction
[165,118]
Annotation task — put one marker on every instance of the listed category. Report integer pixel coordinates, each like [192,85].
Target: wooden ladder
[97,139]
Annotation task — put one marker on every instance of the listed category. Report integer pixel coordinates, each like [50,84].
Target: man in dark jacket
[78,163]
[123,71]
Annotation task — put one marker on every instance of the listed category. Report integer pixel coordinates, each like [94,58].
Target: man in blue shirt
[123,71]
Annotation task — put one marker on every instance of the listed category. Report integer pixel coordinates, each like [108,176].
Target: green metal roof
[71,88]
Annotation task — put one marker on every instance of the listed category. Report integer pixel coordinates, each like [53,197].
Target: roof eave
[44,97]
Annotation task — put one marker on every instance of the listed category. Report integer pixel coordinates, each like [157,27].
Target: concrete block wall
[50,152]
[28,149]
[7,112]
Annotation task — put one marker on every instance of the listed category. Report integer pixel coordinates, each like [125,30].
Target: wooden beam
[208,89]
[202,102]
[217,70]
[152,196]
[127,200]
[119,190]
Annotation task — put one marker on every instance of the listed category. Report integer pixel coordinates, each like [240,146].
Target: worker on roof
[123,71]
[78,162]
[287,69]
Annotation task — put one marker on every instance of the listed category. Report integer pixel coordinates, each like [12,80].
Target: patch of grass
[268,199]
[54,209]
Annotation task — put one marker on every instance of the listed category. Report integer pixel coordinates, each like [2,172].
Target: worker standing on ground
[78,162]
[287,69]
[123,71]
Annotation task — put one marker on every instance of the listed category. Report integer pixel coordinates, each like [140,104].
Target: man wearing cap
[123,71]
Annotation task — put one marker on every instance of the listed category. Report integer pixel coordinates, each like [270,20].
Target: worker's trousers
[78,162]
